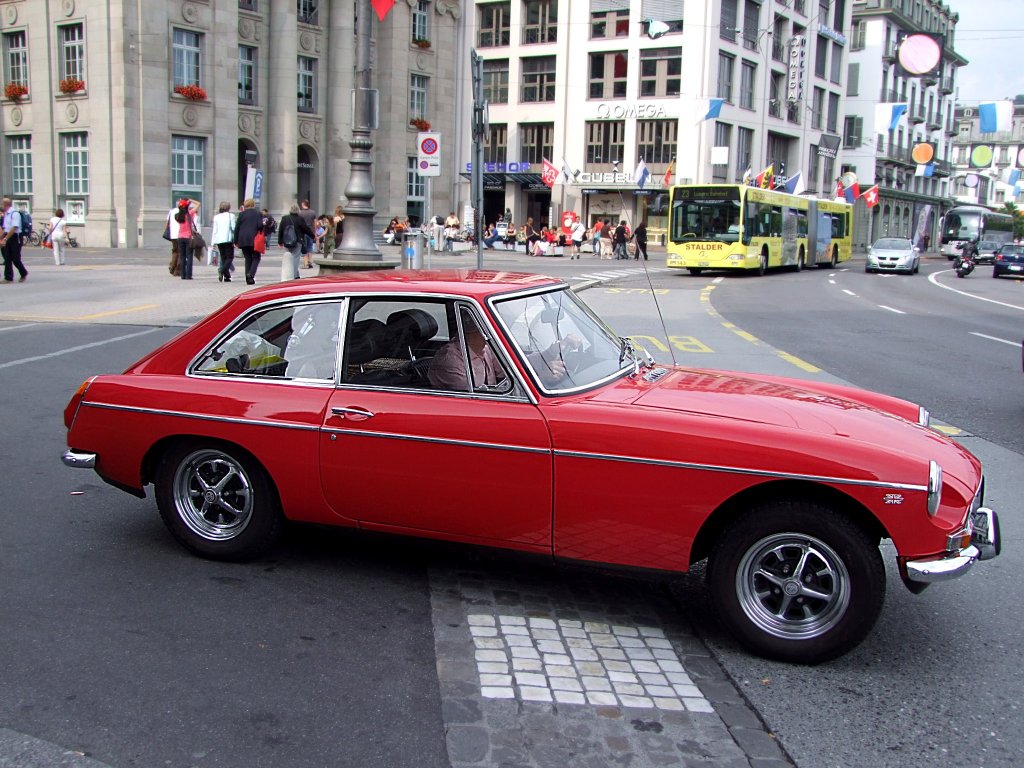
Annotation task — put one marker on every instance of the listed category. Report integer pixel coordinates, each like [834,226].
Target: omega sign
[797,65]
[619,111]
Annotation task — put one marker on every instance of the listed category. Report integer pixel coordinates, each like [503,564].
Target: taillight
[76,400]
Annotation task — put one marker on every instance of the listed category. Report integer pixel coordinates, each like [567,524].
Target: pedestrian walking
[595,236]
[291,231]
[308,216]
[223,238]
[579,232]
[186,218]
[10,243]
[250,226]
[606,239]
[55,234]
[171,235]
[619,240]
[640,238]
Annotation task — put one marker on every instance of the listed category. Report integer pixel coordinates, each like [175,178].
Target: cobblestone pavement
[565,669]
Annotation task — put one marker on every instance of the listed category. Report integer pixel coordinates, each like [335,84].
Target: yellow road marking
[947,429]
[79,318]
[798,362]
[117,312]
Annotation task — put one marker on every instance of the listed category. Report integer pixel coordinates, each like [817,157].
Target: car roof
[471,283]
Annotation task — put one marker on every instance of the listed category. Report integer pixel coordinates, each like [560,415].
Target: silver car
[893,254]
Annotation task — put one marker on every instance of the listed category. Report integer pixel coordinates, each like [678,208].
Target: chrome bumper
[984,545]
[79,459]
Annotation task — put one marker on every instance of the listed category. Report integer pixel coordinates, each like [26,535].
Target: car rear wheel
[217,501]
[797,582]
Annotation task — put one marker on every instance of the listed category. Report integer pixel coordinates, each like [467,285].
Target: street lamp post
[357,249]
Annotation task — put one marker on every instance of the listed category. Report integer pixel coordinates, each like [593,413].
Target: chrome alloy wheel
[793,586]
[213,495]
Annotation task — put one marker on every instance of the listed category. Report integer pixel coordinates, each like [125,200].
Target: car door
[401,453]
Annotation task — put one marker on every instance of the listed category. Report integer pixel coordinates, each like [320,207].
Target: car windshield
[564,344]
[892,244]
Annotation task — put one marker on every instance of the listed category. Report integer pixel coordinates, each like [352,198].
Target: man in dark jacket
[640,238]
[291,231]
[619,240]
[248,224]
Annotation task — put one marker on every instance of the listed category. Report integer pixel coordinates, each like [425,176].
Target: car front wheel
[217,501]
[797,582]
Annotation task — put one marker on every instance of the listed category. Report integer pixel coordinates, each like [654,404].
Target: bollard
[413,245]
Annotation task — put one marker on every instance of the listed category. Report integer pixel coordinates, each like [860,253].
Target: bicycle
[37,236]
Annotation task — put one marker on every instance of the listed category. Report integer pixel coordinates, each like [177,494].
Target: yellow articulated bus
[736,226]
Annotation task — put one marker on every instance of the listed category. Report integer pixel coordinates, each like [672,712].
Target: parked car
[1009,261]
[987,250]
[497,409]
[893,254]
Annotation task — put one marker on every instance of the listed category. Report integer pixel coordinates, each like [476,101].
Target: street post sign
[428,160]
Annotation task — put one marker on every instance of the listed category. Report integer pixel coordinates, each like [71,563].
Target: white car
[893,254]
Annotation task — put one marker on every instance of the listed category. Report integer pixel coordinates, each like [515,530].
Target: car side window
[468,361]
[390,342]
[294,342]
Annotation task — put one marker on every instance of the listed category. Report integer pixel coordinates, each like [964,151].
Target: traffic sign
[428,160]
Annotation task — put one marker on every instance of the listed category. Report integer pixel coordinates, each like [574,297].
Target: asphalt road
[122,645]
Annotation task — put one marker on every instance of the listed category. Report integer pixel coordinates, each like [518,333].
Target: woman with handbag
[223,237]
[186,217]
[55,236]
[248,227]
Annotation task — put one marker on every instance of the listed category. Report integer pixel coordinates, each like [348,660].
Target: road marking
[933,279]
[833,282]
[995,338]
[947,429]
[117,312]
[848,292]
[892,309]
[793,359]
[16,327]
[79,348]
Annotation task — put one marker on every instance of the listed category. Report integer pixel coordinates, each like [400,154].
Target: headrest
[412,324]
[364,341]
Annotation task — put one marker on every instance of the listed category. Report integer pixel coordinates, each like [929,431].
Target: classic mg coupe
[495,408]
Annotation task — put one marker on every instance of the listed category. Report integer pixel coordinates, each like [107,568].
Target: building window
[775,88]
[541,25]
[496,81]
[418,86]
[246,74]
[538,79]
[836,74]
[744,146]
[188,166]
[307,84]
[832,123]
[667,12]
[723,138]
[20,150]
[415,192]
[605,142]
[607,75]
[496,144]
[853,130]
[818,110]
[74,149]
[656,140]
[495,25]
[247,5]
[16,58]
[726,63]
[751,24]
[188,56]
[821,57]
[421,21]
[661,72]
[748,76]
[853,79]
[612,20]
[536,141]
[72,51]
[307,11]
[813,162]
[727,21]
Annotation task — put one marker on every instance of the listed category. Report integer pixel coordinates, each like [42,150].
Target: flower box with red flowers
[420,124]
[15,91]
[191,92]
[71,85]
[421,42]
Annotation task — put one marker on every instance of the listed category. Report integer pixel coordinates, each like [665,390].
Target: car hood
[892,253]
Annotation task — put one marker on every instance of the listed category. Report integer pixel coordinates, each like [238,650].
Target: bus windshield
[706,214]
[961,226]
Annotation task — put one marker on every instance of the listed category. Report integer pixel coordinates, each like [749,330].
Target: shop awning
[494,181]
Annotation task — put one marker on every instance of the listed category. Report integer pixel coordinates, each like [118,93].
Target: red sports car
[495,408]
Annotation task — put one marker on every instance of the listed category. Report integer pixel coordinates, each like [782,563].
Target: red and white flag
[550,174]
[871,196]
[382,7]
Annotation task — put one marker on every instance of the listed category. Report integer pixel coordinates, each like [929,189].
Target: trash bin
[413,246]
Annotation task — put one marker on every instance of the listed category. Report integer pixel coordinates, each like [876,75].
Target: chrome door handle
[360,412]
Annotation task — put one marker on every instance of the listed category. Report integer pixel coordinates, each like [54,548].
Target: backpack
[26,223]
[289,237]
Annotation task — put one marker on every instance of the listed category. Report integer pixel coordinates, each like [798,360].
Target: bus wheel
[694,270]
[800,261]
[763,266]
[835,258]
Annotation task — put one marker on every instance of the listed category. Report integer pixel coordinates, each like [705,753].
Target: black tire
[806,618]
[217,501]
[835,259]
[800,261]
[34,238]
[694,270]
[762,266]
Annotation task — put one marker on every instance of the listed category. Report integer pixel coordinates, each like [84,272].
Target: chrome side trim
[438,440]
[203,416]
[741,470]
[79,459]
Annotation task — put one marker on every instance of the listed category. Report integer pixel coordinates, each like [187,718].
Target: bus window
[775,221]
[801,223]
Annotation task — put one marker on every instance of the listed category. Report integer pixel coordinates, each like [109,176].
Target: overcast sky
[990,35]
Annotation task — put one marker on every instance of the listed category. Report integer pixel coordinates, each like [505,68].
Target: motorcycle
[963,264]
